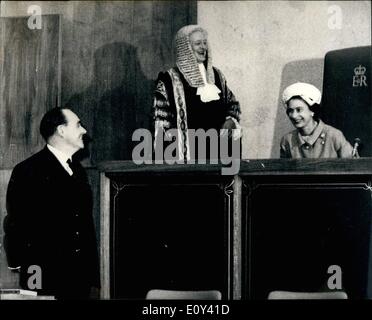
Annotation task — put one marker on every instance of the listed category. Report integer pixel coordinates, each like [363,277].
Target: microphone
[355,147]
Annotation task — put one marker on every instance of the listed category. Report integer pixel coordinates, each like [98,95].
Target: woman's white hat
[309,93]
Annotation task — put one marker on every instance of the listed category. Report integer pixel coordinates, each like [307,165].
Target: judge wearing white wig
[312,138]
[193,94]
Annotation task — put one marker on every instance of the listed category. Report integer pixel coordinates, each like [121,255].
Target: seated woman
[312,137]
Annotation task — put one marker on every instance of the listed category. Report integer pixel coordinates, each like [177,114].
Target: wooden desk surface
[249,167]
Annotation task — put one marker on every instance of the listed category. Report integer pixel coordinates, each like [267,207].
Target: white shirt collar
[61,157]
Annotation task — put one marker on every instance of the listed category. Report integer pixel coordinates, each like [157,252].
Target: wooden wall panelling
[29,84]
[112,54]
[8,279]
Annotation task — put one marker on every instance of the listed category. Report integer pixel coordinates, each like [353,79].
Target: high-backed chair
[292,295]
[347,95]
[161,294]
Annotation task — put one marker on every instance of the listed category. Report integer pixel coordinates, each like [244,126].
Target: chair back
[156,294]
[292,295]
[347,99]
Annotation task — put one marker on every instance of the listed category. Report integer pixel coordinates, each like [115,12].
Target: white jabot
[208,92]
[61,157]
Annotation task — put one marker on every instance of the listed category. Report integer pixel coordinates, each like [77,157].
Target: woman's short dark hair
[314,108]
[50,121]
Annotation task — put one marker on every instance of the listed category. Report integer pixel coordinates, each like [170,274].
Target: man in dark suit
[49,221]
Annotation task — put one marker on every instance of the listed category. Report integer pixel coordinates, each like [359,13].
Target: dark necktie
[77,171]
[72,167]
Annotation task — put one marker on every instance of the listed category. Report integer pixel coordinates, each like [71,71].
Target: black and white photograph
[154,151]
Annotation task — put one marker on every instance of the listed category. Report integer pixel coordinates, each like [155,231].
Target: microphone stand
[355,153]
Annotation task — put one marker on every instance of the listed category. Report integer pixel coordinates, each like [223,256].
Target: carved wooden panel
[170,234]
[295,228]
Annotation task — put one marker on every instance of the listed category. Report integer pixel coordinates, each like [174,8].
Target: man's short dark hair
[50,121]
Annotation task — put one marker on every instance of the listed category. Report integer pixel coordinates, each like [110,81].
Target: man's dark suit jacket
[50,224]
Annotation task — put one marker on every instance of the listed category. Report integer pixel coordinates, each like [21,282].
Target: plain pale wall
[263,46]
